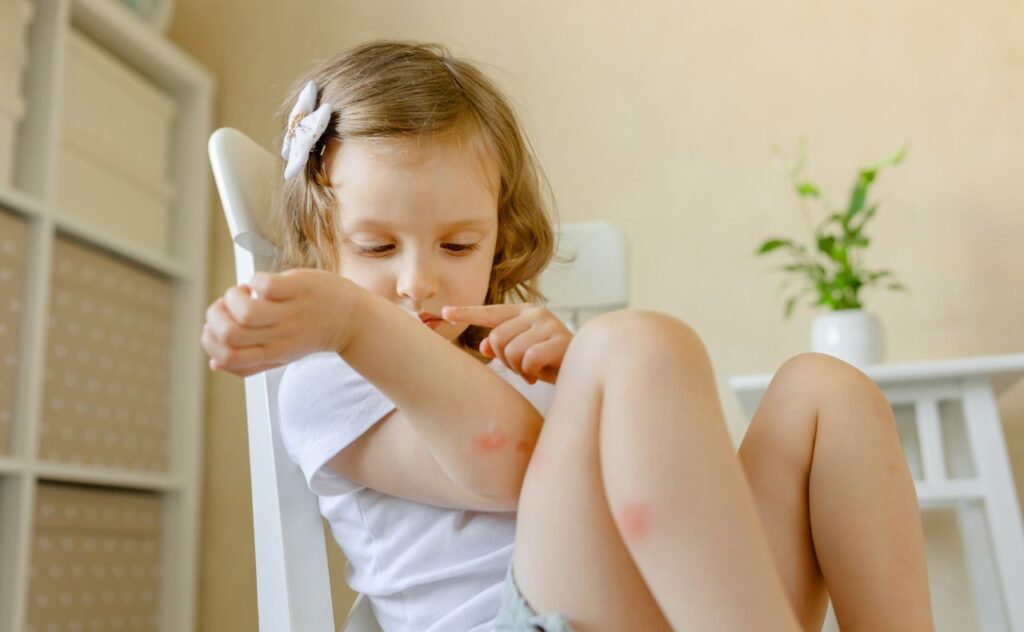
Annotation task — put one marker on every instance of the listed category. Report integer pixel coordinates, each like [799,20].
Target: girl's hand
[291,315]
[528,339]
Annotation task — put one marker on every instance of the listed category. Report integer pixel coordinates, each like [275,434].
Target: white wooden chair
[292,582]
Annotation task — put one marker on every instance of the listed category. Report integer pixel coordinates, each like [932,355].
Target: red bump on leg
[635,521]
[491,442]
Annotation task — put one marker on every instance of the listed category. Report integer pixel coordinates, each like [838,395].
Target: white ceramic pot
[852,335]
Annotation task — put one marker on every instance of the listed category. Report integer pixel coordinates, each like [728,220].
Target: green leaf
[806,189]
[771,244]
[892,160]
[859,193]
[873,276]
[838,218]
[853,241]
[800,270]
[845,279]
[866,176]
[789,306]
[864,217]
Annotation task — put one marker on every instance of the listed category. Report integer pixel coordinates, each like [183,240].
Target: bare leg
[635,513]
[836,497]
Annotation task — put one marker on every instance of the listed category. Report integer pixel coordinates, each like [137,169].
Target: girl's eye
[460,248]
[376,250]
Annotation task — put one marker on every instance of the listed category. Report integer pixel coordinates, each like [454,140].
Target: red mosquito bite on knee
[635,520]
[492,441]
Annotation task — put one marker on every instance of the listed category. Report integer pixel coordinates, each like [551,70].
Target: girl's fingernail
[445,311]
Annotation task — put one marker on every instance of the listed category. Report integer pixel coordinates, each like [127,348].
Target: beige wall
[660,116]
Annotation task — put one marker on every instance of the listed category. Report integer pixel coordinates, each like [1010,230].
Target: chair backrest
[595,276]
[293,589]
[292,580]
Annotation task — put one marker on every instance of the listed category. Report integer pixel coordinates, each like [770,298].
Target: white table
[953,438]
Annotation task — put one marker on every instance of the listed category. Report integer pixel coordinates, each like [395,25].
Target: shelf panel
[9,465]
[90,235]
[127,479]
[17,492]
[22,203]
[31,207]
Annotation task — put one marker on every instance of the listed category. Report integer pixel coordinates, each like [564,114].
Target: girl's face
[418,222]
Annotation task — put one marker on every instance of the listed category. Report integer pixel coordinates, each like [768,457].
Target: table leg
[1005,529]
[981,570]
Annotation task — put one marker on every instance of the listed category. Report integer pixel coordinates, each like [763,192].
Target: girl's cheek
[479,279]
[370,281]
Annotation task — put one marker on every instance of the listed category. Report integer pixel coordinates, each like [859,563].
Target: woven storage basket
[95,560]
[108,360]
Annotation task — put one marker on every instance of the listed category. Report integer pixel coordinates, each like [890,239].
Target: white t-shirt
[424,568]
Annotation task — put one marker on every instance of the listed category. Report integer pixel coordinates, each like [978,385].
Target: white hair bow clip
[305,127]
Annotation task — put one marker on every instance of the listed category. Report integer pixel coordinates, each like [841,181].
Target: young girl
[440,424]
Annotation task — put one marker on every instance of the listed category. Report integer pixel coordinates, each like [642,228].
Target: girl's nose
[417,280]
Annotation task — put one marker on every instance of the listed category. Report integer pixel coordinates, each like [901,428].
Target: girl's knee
[822,372]
[831,381]
[628,333]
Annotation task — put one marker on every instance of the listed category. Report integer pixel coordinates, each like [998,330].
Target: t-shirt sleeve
[324,406]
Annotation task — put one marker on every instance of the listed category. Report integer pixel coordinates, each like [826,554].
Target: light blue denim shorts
[516,615]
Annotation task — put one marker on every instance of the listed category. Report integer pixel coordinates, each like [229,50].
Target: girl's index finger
[482,315]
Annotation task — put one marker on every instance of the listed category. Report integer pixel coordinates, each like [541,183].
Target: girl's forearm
[478,427]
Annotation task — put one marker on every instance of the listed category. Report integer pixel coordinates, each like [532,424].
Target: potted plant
[831,268]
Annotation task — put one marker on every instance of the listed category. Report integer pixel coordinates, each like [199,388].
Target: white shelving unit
[32,198]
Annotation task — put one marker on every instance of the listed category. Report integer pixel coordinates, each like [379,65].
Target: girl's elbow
[499,492]
[502,503]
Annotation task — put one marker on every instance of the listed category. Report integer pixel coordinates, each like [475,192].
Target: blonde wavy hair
[408,90]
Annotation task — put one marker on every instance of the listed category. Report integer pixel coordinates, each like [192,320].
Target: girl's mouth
[430,320]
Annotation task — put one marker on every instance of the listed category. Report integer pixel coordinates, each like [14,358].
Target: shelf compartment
[115,147]
[108,362]
[95,559]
